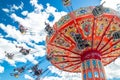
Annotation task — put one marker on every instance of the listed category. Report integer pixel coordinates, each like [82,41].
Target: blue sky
[32,14]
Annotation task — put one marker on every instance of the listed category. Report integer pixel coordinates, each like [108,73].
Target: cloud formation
[34,21]
[111,3]
[35,35]
[112,70]
[1,69]
[28,77]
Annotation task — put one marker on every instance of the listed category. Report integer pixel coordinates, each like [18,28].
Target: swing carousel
[84,41]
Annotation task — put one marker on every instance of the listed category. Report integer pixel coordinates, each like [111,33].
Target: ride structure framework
[82,42]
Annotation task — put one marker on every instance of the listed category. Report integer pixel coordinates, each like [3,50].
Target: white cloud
[113,69]
[34,2]
[41,52]
[28,77]
[9,47]
[57,15]
[14,7]
[1,55]
[117,62]
[31,58]
[38,7]
[52,78]
[24,13]
[36,25]
[64,75]
[111,3]
[1,69]
[5,10]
